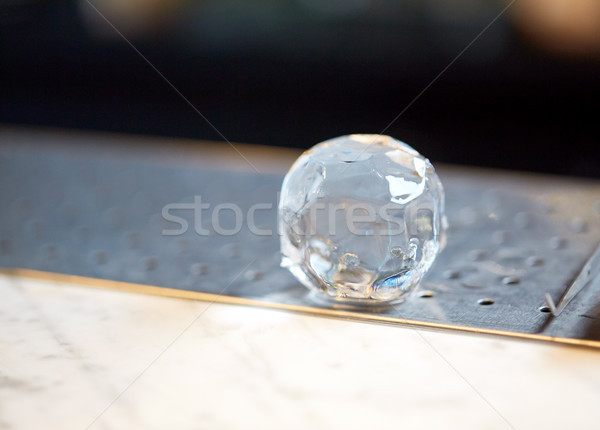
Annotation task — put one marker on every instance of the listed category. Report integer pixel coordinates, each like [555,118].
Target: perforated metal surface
[512,239]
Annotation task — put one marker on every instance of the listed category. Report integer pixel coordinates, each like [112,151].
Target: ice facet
[361,218]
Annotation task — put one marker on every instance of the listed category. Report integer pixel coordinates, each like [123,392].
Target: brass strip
[215,298]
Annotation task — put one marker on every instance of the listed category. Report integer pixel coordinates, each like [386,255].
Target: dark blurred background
[295,72]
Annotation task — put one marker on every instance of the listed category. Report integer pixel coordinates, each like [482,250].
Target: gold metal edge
[216,298]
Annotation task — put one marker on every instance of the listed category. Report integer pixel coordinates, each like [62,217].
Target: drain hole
[485,302]
[544,309]
[510,280]
[426,294]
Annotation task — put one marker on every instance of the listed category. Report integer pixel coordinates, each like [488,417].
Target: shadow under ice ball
[361,218]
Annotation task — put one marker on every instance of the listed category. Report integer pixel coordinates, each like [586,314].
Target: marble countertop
[73,357]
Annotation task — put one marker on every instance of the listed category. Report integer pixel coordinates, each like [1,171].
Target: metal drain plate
[98,214]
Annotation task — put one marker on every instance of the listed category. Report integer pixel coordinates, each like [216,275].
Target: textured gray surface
[91,213]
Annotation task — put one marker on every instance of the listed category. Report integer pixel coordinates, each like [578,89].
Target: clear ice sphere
[361,218]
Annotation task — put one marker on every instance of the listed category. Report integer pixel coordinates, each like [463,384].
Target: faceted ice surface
[361,218]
